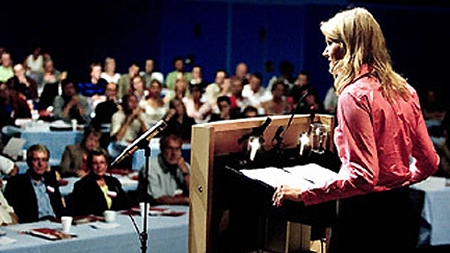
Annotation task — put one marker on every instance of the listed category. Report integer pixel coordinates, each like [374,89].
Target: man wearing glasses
[35,195]
[168,174]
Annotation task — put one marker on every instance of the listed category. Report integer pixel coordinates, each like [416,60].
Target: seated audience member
[110,74]
[169,174]
[125,80]
[150,74]
[255,93]
[97,192]
[95,86]
[51,75]
[71,105]
[311,104]
[34,64]
[138,88]
[331,100]
[180,123]
[279,104]
[73,161]
[154,106]
[225,111]
[195,108]
[301,86]
[250,112]
[20,82]
[6,68]
[177,73]
[236,98]
[126,125]
[35,195]
[50,91]
[241,72]
[7,167]
[7,215]
[12,106]
[220,87]
[105,110]
[197,78]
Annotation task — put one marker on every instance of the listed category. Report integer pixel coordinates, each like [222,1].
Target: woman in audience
[180,123]
[195,108]
[71,105]
[110,74]
[138,88]
[126,125]
[154,106]
[279,104]
[12,106]
[97,192]
[225,111]
[74,158]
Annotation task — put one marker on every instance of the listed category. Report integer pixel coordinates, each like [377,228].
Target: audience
[7,214]
[279,104]
[20,82]
[34,65]
[177,73]
[125,80]
[126,125]
[225,111]
[74,158]
[6,69]
[255,93]
[105,110]
[97,192]
[12,106]
[138,88]
[236,98]
[110,74]
[195,108]
[168,180]
[197,78]
[154,106]
[180,123]
[35,195]
[220,87]
[150,73]
[71,105]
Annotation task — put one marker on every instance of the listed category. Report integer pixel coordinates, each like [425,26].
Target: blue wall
[217,34]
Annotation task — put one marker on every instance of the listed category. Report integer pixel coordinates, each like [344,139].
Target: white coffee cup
[66,222]
[109,215]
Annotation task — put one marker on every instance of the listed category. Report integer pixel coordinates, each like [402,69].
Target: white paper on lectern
[300,176]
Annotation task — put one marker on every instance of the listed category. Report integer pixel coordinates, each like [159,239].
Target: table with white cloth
[165,234]
[435,214]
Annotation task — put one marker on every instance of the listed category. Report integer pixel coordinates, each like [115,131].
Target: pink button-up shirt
[375,141]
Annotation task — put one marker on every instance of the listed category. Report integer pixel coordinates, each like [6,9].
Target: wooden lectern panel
[220,138]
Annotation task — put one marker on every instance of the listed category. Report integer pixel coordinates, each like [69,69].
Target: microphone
[257,131]
[143,139]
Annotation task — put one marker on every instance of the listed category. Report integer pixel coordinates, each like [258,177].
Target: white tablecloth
[165,234]
[435,217]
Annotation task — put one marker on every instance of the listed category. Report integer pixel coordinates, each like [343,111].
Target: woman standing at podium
[381,138]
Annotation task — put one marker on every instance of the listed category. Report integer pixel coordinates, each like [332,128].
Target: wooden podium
[212,140]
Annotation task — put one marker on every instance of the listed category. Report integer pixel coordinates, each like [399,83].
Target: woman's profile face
[334,52]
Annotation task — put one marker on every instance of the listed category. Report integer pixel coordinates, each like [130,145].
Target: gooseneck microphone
[143,139]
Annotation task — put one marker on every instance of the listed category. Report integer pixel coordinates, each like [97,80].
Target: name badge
[50,189]
[111,194]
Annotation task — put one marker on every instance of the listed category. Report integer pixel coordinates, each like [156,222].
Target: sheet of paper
[302,176]
[14,147]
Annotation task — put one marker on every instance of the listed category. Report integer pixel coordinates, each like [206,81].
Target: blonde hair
[363,42]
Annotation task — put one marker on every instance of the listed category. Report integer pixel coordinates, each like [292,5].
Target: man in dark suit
[35,195]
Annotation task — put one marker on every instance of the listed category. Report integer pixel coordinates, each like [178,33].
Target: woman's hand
[284,192]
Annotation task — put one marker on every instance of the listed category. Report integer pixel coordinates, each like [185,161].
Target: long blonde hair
[363,43]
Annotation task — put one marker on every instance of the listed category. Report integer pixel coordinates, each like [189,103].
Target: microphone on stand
[143,139]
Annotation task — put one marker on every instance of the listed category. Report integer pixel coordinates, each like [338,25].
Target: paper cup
[66,222]
[110,216]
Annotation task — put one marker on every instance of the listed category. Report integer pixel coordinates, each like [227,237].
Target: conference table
[165,234]
[434,199]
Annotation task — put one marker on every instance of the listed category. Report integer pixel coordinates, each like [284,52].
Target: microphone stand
[143,235]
